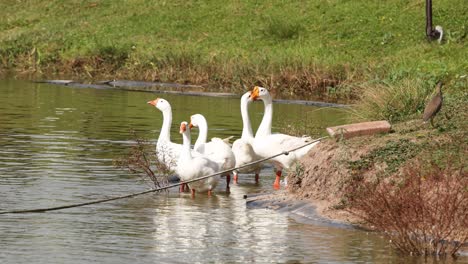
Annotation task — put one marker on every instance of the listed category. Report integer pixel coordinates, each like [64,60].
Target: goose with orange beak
[166,150]
[266,144]
[242,147]
[217,149]
[190,167]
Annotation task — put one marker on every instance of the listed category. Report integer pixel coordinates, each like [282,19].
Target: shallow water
[57,146]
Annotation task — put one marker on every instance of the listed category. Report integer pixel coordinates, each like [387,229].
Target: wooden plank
[359,129]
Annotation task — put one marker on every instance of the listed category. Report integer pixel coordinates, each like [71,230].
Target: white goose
[217,149]
[167,151]
[267,144]
[189,167]
[242,147]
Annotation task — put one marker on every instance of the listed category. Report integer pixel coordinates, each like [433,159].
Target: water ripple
[59,149]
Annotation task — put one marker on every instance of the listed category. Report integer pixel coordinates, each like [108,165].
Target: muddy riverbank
[308,211]
[175,89]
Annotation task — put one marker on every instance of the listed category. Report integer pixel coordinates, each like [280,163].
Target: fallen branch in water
[142,160]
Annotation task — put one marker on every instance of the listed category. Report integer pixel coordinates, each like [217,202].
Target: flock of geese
[207,158]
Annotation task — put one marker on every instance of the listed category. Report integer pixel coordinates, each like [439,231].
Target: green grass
[394,101]
[405,99]
[393,154]
[324,48]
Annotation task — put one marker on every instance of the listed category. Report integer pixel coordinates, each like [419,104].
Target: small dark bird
[434,105]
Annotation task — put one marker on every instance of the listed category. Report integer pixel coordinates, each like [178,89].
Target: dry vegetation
[142,160]
[423,213]
[411,184]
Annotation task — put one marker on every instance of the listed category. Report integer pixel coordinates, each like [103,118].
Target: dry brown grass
[291,79]
[426,213]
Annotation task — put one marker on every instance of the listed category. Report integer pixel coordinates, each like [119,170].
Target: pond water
[57,146]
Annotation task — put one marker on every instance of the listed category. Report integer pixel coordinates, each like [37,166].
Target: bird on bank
[434,105]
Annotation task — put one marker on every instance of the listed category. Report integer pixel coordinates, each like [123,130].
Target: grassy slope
[347,39]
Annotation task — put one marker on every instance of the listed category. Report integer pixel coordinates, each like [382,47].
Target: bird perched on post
[434,105]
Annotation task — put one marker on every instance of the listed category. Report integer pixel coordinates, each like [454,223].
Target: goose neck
[186,153]
[202,134]
[246,125]
[165,134]
[265,126]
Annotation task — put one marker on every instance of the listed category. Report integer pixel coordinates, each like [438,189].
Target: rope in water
[41,210]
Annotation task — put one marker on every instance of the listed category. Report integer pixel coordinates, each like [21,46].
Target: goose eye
[161,101]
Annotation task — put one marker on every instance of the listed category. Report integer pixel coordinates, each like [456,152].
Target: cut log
[359,129]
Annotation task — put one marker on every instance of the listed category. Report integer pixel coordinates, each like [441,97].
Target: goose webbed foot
[276,185]
[182,187]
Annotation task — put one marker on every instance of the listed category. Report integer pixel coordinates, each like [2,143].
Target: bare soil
[323,179]
[328,169]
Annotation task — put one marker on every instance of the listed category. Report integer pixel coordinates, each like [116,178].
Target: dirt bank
[326,173]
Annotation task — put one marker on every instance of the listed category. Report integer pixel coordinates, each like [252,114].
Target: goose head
[196,120]
[246,97]
[259,93]
[184,128]
[161,104]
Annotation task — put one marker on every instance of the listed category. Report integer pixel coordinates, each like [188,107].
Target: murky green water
[57,145]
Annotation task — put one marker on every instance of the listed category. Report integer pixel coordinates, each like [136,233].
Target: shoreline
[173,88]
[313,212]
[307,211]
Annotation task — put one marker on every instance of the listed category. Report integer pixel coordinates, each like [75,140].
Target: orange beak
[190,125]
[183,127]
[255,93]
[154,102]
